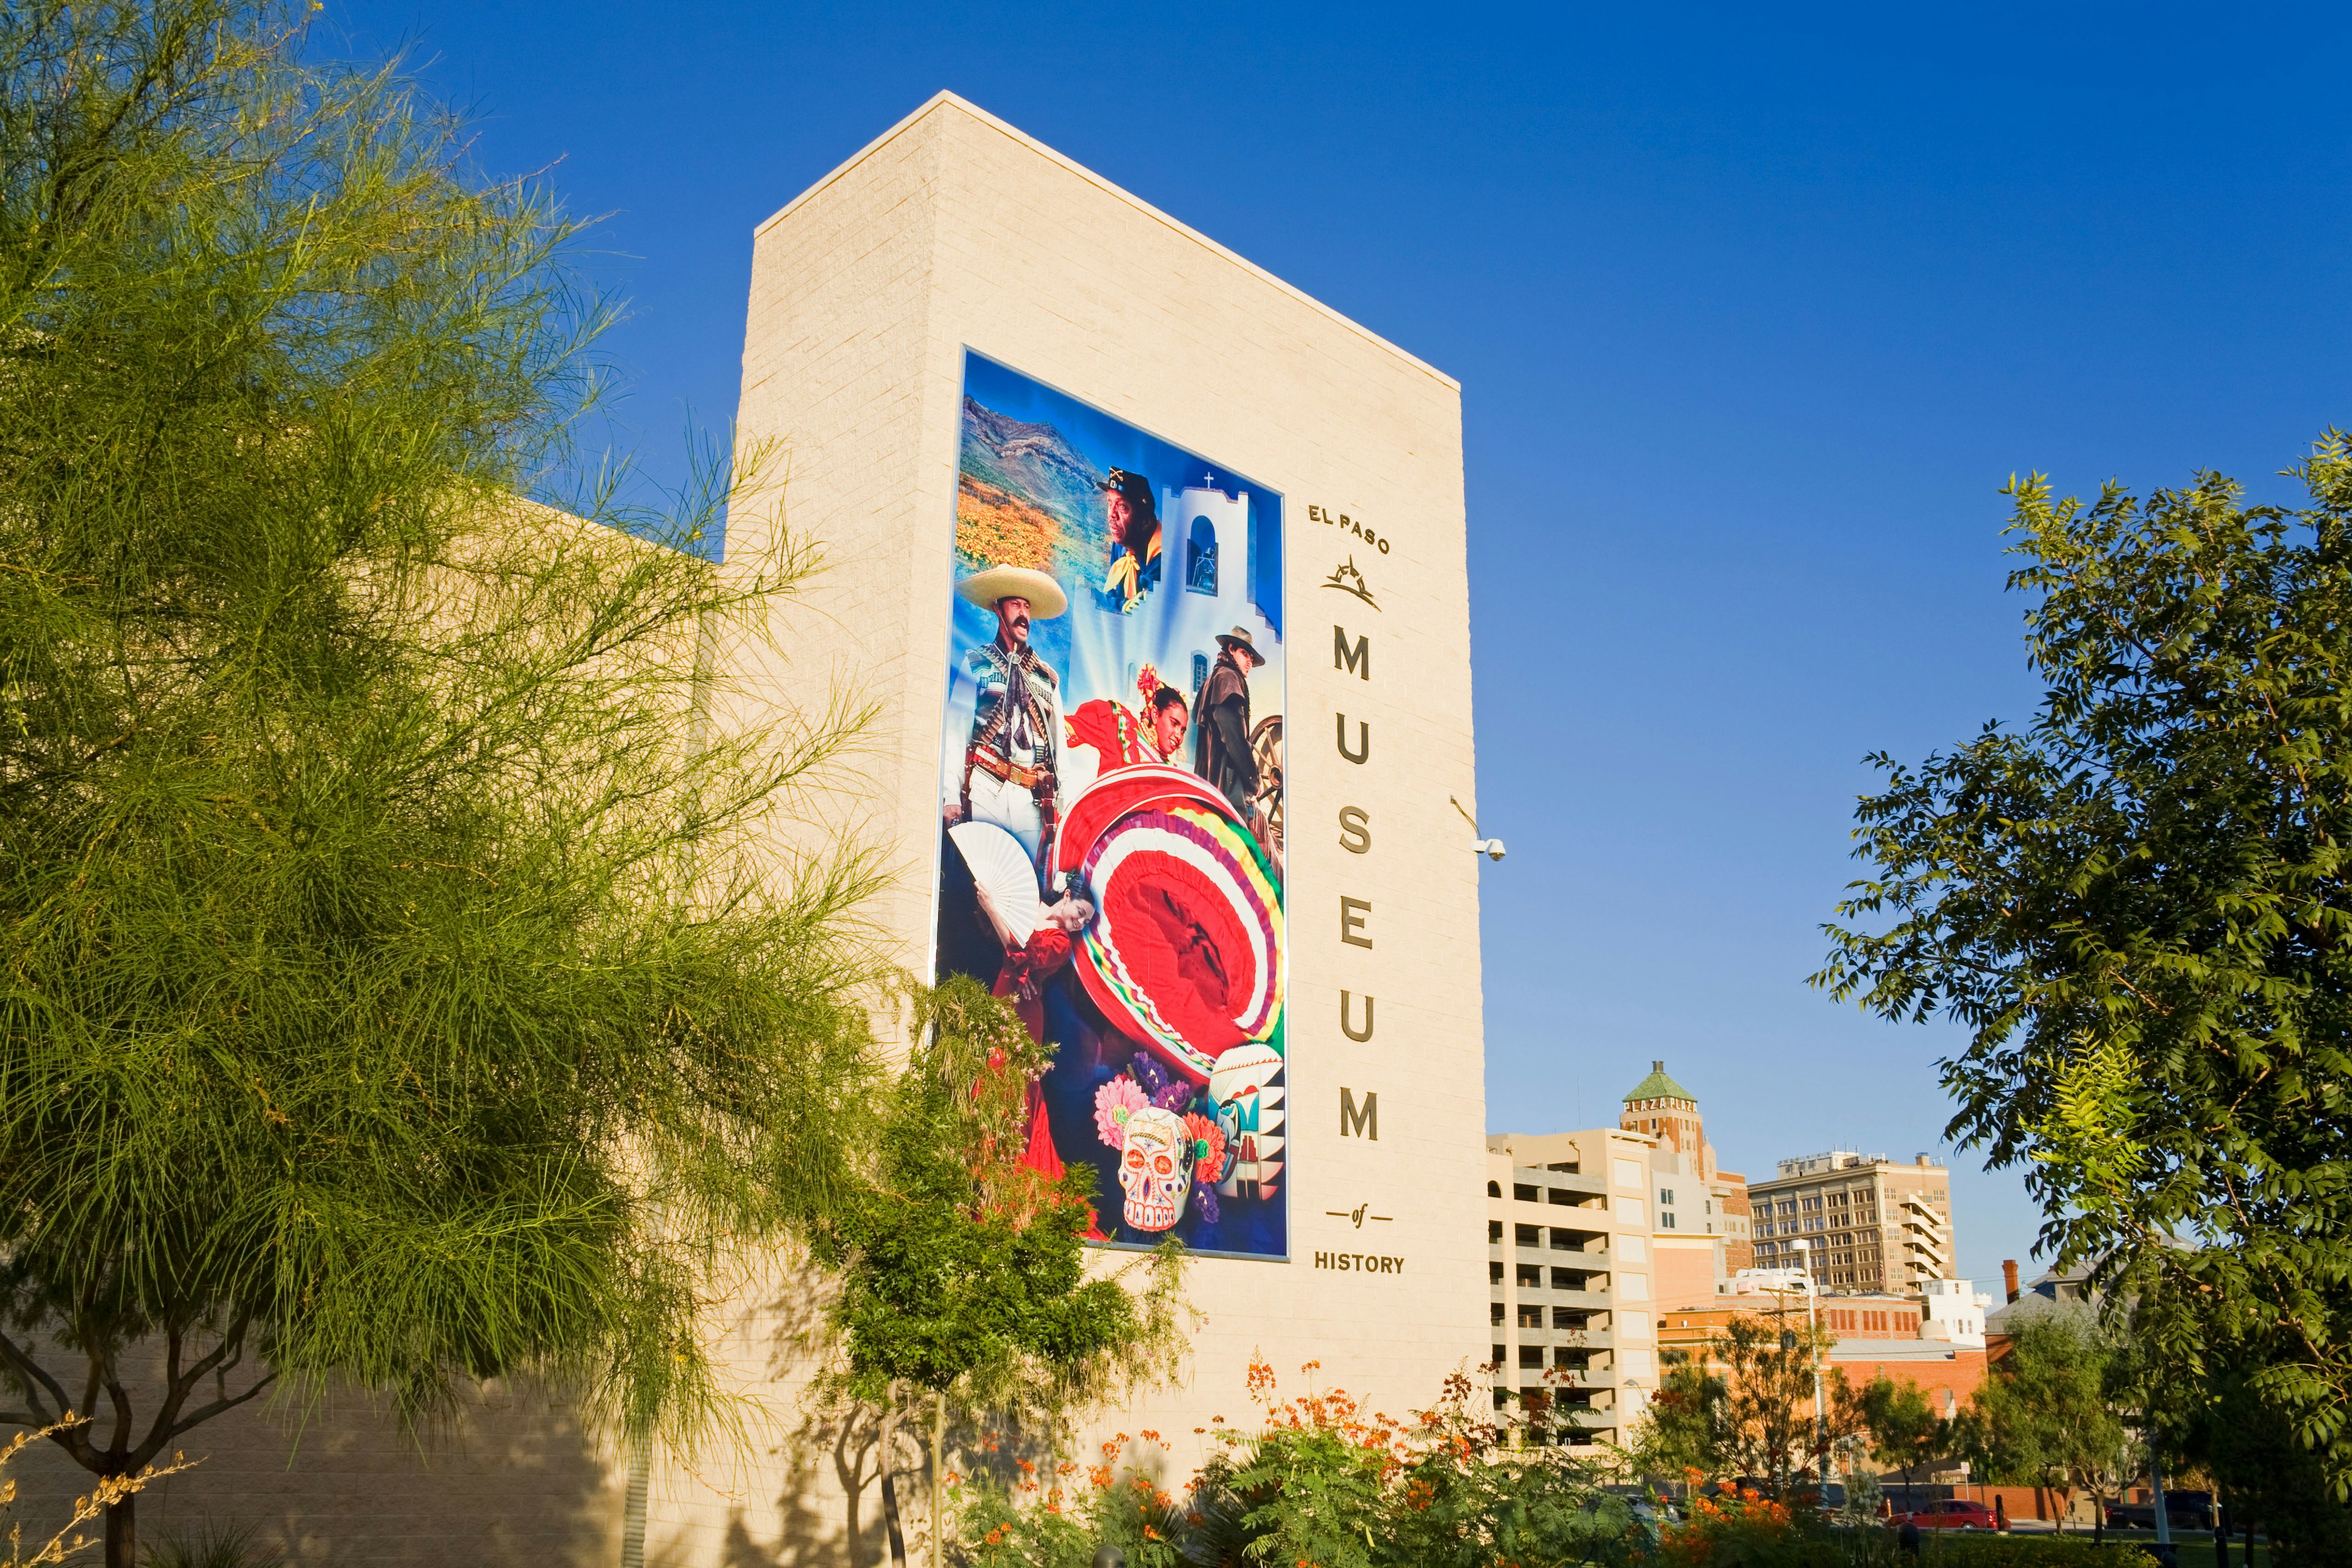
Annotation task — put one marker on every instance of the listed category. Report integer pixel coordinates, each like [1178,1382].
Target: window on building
[1201,679]
[1665,1194]
[1530,1277]
[1576,1361]
[1494,1189]
[1561,1317]
[1566,1279]
[1494,1273]
[1497,1312]
[1666,1221]
[1502,1353]
[1201,558]
[1495,1231]
[1526,1193]
[1531,1355]
[1568,1167]
[1565,1199]
[1528,1234]
[1531,1317]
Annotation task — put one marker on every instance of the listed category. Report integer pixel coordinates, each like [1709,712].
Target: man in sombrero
[1010,773]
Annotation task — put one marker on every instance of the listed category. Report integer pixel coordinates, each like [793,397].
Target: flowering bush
[1739,1528]
[1054,1514]
[1322,1482]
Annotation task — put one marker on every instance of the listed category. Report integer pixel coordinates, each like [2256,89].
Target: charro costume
[1011,758]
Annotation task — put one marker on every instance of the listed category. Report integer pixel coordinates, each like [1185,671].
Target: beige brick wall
[956,231]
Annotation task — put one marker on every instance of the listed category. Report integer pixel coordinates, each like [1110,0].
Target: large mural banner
[1111,782]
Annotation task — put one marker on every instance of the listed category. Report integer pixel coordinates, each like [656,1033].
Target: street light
[1820,1421]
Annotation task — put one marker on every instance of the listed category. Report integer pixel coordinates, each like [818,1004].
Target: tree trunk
[889,1426]
[938,1475]
[122,1532]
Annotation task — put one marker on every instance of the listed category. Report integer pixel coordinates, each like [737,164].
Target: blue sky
[1753,317]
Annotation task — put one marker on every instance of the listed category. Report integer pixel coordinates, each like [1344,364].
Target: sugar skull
[1155,1168]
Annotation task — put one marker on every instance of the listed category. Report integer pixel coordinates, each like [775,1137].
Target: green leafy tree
[2139,907]
[2271,1479]
[2044,1415]
[394,979]
[1906,1433]
[963,1275]
[1685,1429]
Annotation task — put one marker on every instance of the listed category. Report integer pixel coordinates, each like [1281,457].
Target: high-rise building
[1694,1195]
[1872,1225]
[1568,1275]
[1586,1233]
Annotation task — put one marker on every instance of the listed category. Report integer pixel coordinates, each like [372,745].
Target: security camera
[1492,848]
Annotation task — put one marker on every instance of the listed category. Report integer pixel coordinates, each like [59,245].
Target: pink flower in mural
[1114,1101]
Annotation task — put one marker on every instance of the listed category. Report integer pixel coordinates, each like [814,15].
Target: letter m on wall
[1356,660]
[1359,1121]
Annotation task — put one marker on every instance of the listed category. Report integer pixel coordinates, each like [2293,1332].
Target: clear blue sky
[1753,317]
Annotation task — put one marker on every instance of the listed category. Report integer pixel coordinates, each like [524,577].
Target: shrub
[211,1547]
[1324,1482]
[1945,1549]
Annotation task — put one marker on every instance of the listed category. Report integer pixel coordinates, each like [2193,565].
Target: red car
[1952,1514]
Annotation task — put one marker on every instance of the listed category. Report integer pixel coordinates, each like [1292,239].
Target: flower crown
[1146,682]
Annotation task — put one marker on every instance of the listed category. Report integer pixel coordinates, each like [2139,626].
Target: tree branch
[223,1356]
[205,1413]
[28,1371]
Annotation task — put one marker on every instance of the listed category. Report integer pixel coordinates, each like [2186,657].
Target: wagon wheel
[1265,746]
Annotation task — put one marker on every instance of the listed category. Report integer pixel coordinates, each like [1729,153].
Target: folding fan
[1001,870]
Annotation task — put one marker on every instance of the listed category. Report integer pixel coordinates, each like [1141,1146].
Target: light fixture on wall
[1492,848]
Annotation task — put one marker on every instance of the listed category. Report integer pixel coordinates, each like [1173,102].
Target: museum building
[1073,468]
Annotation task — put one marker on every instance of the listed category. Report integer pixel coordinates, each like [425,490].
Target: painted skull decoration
[1155,1168]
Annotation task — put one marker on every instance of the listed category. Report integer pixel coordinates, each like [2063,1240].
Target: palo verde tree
[1769,1428]
[394,983]
[962,1272]
[2139,907]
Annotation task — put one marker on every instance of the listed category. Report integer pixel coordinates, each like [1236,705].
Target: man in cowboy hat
[1220,720]
[1011,756]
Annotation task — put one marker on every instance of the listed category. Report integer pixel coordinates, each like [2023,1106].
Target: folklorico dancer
[1011,773]
[1133,519]
[1154,734]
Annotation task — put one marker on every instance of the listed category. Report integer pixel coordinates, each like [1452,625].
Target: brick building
[1901,1338]
[1872,1225]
